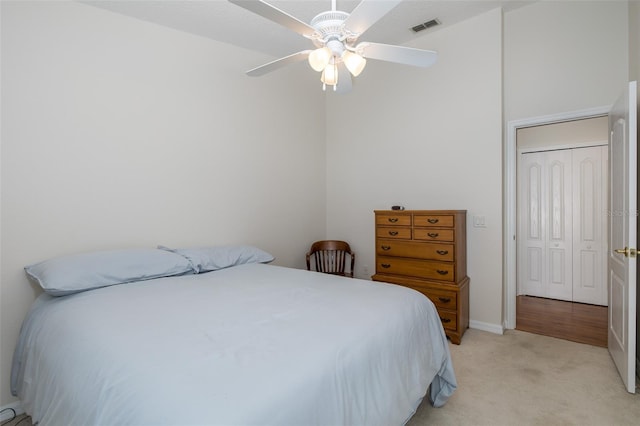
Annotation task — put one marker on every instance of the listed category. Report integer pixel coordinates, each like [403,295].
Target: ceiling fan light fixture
[330,76]
[354,62]
[333,33]
[319,58]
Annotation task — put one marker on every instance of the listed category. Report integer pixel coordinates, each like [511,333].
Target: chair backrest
[330,256]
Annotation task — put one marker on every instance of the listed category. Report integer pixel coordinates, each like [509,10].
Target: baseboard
[6,413]
[485,326]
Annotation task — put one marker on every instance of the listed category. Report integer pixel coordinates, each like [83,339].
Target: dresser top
[421,211]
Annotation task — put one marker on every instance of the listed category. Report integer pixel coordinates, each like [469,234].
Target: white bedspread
[248,345]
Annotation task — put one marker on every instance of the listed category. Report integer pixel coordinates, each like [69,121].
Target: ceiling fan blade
[279,63]
[398,54]
[345,83]
[367,13]
[274,14]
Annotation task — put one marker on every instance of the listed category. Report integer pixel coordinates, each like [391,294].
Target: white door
[622,235]
[531,223]
[590,225]
[562,244]
[559,225]
[544,204]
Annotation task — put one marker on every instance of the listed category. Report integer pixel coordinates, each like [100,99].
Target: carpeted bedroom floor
[521,378]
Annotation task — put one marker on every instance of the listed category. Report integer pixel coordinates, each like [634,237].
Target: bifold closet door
[545,212]
[590,225]
[562,224]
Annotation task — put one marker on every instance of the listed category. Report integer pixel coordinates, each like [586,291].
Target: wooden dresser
[427,251]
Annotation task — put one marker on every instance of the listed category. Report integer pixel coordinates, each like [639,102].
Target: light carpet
[521,378]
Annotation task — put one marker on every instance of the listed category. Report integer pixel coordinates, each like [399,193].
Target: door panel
[560,225]
[589,227]
[622,235]
[545,224]
[617,326]
[532,244]
[535,266]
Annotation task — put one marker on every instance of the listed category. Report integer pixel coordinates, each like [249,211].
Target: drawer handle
[385,265]
[385,248]
[445,320]
[441,272]
[433,234]
[442,252]
[444,299]
[432,220]
[393,219]
[393,233]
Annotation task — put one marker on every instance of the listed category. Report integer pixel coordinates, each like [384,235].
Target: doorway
[562,174]
[510,224]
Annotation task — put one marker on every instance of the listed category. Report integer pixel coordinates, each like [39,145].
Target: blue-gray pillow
[205,259]
[70,274]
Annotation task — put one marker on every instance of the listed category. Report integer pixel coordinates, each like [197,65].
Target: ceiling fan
[334,34]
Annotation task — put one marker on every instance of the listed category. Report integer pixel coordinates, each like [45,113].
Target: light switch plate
[479,222]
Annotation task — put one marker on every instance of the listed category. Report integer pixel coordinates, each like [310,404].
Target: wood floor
[577,322]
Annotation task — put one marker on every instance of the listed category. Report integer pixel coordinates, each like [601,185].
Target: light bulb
[354,62]
[319,58]
[330,75]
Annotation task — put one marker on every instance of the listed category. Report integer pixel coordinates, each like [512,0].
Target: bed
[247,343]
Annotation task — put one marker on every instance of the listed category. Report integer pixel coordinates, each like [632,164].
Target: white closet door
[589,225]
[560,225]
[562,229]
[531,226]
[545,234]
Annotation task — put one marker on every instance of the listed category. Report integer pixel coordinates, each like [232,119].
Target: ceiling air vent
[428,24]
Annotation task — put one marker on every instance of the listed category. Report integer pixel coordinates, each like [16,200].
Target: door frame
[510,200]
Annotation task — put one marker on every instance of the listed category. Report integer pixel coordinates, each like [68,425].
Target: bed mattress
[247,345]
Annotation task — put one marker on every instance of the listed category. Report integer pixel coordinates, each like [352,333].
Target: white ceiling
[229,23]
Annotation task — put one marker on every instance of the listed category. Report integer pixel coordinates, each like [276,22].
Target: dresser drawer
[393,220]
[415,268]
[443,299]
[433,234]
[393,232]
[418,250]
[449,319]
[433,220]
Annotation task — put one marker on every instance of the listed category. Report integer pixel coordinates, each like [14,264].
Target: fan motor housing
[330,24]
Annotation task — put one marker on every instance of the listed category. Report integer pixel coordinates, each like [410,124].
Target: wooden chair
[330,257]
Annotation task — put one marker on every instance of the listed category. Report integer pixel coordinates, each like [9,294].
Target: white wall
[634,40]
[427,139]
[562,56]
[119,133]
